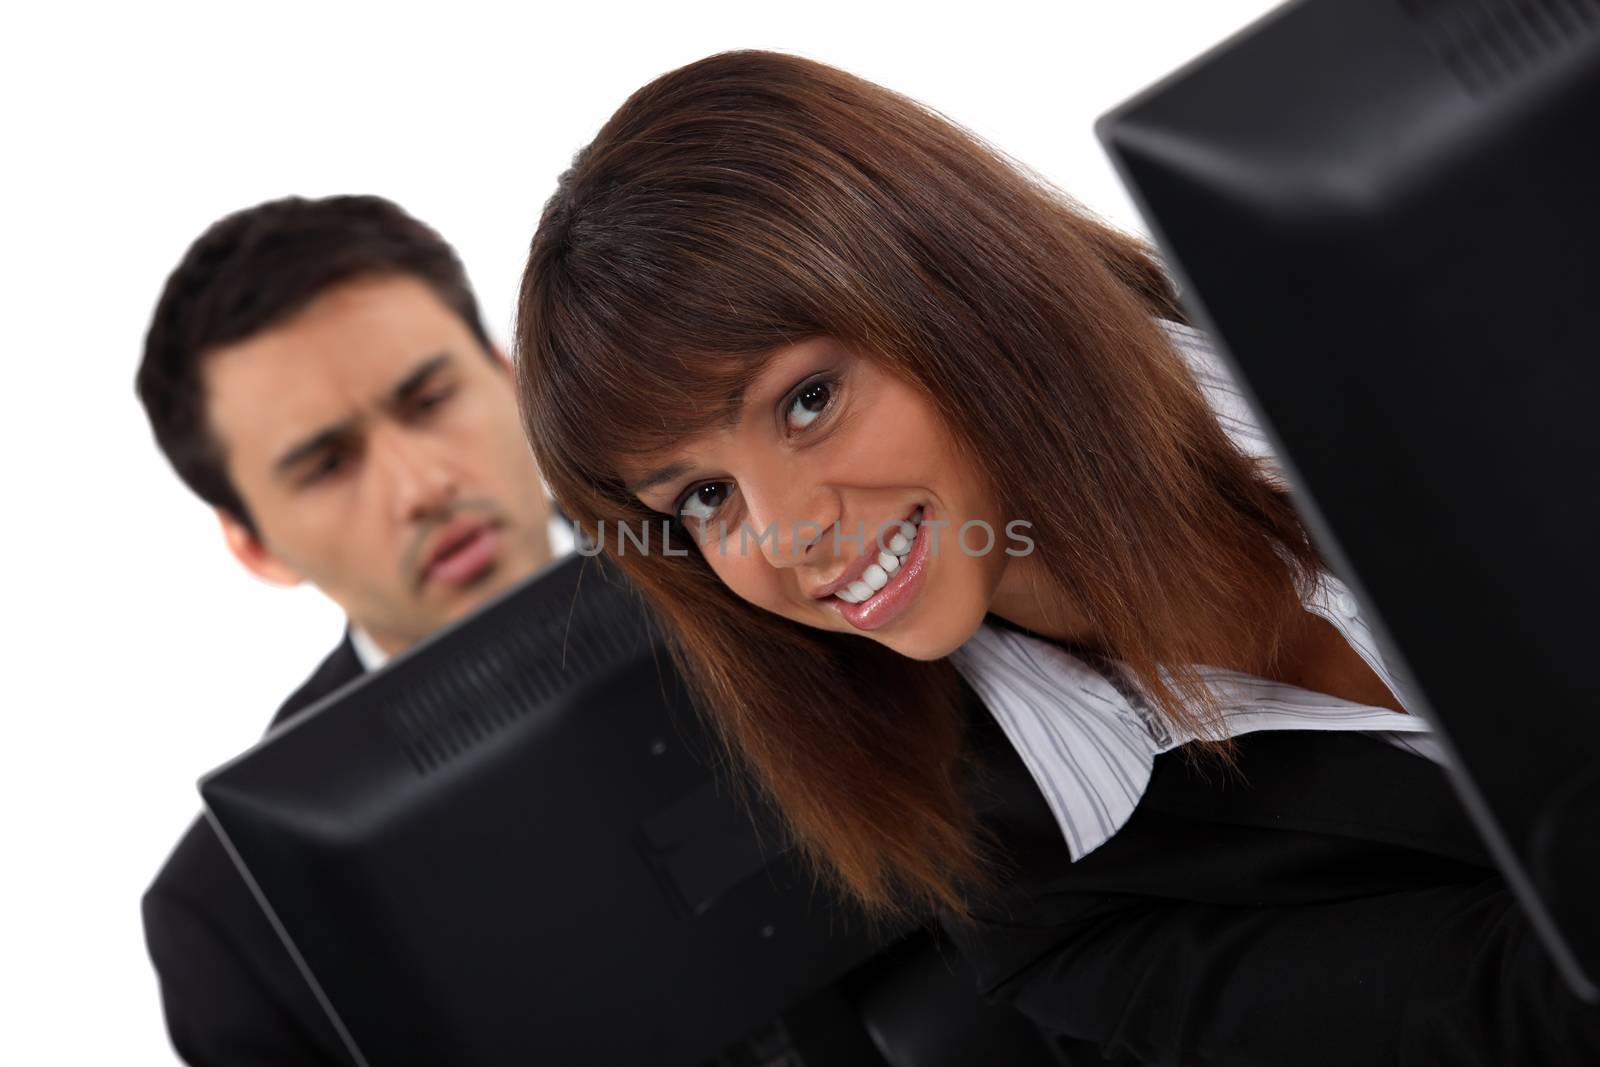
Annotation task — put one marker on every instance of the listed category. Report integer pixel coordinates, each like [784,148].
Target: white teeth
[877,575]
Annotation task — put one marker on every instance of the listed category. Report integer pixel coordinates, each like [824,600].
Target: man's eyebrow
[324,438]
[329,436]
[419,376]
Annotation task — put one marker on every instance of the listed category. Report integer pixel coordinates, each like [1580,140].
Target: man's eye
[433,400]
[702,501]
[809,404]
[328,464]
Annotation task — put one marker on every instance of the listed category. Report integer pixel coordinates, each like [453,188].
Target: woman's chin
[932,640]
[930,630]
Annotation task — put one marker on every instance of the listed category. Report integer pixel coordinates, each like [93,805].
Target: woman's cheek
[760,583]
[733,572]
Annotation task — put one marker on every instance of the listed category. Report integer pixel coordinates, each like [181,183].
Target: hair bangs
[622,390]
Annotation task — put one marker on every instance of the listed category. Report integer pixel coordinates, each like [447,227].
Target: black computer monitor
[509,847]
[1388,214]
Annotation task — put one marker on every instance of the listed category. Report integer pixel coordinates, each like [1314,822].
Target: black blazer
[233,997]
[1332,904]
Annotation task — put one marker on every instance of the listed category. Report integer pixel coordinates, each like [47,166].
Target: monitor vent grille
[484,689]
[1489,43]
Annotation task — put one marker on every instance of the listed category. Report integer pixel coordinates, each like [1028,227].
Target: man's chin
[486,585]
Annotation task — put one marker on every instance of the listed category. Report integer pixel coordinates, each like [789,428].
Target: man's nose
[422,485]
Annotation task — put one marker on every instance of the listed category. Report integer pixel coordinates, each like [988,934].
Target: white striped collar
[1091,745]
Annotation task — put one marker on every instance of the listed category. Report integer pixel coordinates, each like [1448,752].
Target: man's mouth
[463,554]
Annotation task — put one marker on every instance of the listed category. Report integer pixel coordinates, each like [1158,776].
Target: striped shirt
[1089,739]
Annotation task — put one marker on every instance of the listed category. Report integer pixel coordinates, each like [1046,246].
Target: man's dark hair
[253,270]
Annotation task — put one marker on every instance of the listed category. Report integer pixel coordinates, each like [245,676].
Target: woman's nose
[788,522]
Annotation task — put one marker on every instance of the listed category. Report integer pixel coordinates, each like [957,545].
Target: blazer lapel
[1332,783]
[337,668]
[1308,817]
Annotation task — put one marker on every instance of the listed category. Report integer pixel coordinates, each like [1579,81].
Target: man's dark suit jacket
[1332,904]
[233,996]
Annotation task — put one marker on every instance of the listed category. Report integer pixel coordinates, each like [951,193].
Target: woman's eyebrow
[731,414]
[658,476]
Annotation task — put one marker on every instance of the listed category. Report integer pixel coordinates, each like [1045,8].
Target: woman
[801,329]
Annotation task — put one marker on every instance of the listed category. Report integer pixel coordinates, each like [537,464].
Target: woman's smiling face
[837,498]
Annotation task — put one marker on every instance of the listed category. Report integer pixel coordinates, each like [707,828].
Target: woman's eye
[809,404]
[703,501]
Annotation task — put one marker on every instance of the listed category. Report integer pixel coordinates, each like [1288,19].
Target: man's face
[378,449]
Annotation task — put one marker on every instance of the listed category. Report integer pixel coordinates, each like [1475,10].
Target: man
[317,372]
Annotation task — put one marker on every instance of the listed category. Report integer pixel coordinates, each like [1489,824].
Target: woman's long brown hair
[753,199]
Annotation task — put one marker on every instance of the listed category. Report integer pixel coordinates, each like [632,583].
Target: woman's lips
[467,559]
[890,602]
[867,558]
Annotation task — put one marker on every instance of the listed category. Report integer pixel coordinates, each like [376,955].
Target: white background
[137,654]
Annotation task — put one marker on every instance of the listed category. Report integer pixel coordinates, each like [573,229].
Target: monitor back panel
[509,847]
[1386,212]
